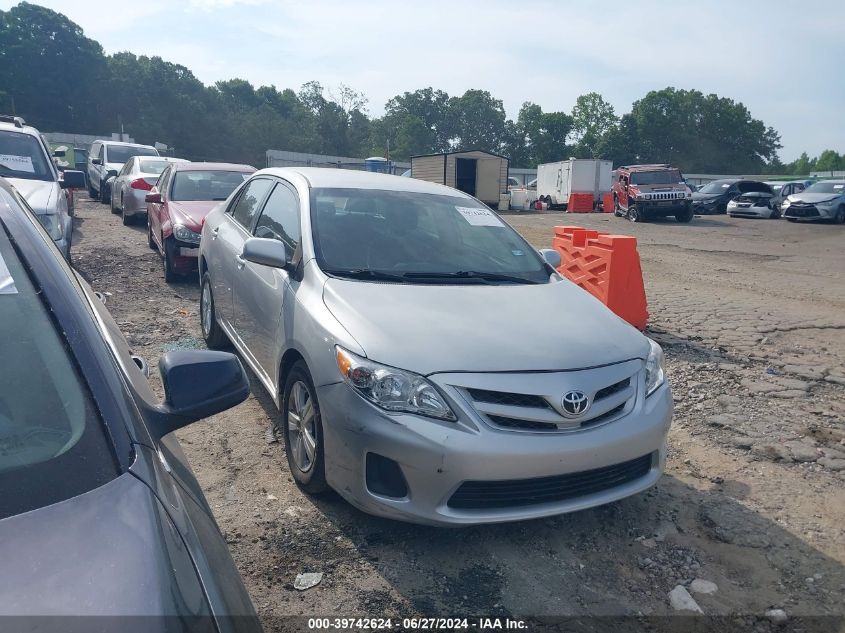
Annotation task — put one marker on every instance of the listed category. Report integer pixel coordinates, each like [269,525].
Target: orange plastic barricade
[607,203]
[607,266]
[580,203]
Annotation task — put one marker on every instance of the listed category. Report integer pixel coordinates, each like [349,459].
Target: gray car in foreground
[100,514]
[428,363]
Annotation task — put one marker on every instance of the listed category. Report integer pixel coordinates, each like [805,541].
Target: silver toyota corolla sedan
[428,364]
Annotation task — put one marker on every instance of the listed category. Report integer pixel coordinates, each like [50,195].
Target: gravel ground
[751,314]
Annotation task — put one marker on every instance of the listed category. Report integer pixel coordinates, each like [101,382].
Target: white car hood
[39,194]
[482,328]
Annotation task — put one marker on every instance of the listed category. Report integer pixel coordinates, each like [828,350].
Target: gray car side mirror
[267,252]
[551,256]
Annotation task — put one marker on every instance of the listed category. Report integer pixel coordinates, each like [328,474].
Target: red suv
[642,192]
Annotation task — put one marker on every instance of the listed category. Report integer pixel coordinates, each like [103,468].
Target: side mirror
[73,179]
[197,384]
[155,198]
[59,153]
[96,161]
[267,252]
[551,256]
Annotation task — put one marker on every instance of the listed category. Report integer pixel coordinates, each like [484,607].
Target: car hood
[482,328]
[105,552]
[812,197]
[192,211]
[114,166]
[697,196]
[39,194]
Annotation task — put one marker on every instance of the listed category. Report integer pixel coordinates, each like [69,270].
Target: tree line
[61,80]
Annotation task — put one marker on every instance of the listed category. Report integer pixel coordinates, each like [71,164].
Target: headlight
[392,389]
[52,223]
[785,204]
[184,234]
[645,196]
[654,372]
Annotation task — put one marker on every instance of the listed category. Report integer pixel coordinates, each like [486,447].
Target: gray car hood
[481,328]
[100,553]
[813,198]
[37,193]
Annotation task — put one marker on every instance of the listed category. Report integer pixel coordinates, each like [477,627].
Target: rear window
[152,166]
[52,442]
[122,153]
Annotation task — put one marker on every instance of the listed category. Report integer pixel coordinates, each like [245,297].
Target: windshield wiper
[365,273]
[471,274]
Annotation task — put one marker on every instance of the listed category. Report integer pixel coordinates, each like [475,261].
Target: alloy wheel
[205,310]
[302,436]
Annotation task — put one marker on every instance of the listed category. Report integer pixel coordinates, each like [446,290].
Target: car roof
[26,129]
[214,167]
[324,177]
[105,142]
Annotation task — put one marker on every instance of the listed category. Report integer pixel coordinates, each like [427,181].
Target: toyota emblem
[574,403]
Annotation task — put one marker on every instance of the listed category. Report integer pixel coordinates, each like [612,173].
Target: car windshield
[122,153]
[152,166]
[23,156]
[206,184]
[776,186]
[52,442]
[658,177]
[826,187]
[717,186]
[416,238]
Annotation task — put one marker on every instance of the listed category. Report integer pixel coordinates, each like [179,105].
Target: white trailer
[555,181]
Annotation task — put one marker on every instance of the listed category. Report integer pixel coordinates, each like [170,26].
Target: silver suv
[26,163]
[428,363]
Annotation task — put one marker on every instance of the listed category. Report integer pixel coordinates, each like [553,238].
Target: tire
[126,219]
[775,215]
[114,209]
[685,216]
[103,199]
[306,459]
[150,242]
[214,337]
[839,218]
[91,193]
[634,214]
[791,219]
[170,275]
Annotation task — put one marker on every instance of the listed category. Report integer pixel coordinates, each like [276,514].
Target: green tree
[476,120]
[829,160]
[592,118]
[802,166]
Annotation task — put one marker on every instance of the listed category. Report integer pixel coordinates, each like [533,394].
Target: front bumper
[662,208]
[809,212]
[436,458]
[749,211]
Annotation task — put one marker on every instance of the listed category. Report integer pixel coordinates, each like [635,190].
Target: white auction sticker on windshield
[18,163]
[479,217]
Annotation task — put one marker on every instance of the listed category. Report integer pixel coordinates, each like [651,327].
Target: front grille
[601,394]
[536,425]
[483,495]
[800,211]
[672,195]
[508,399]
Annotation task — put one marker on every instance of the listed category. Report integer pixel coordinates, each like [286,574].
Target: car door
[260,292]
[228,237]
[154,208]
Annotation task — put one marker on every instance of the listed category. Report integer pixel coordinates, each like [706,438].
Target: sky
[785,64]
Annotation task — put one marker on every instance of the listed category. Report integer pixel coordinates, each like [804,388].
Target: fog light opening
[385,478]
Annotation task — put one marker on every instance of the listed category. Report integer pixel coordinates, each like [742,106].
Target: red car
[177,206]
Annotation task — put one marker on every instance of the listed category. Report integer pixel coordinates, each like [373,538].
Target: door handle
[241,261]
[214,232]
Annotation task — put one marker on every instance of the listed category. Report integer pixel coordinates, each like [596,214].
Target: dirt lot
[752,317]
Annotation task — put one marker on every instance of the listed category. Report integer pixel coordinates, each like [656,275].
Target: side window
[798,187]
[127,168]
[247,204]
[102,154]
[161,184]
[280,218]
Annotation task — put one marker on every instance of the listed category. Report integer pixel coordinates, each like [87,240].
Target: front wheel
[104,197]
[634,214]
[303,430]
[168,255]
[214,337]
[685,215]
[775,214]
[839,218]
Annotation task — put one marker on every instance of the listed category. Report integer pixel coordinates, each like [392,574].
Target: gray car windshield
[826,187]
[411,237]
[206,184]
[122,153]
[22,156]
[52,443]
[661,177]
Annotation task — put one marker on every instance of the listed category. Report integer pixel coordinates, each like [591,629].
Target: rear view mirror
[551,256]
[73,179]
[155,198]
[267,252]
[197,384]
